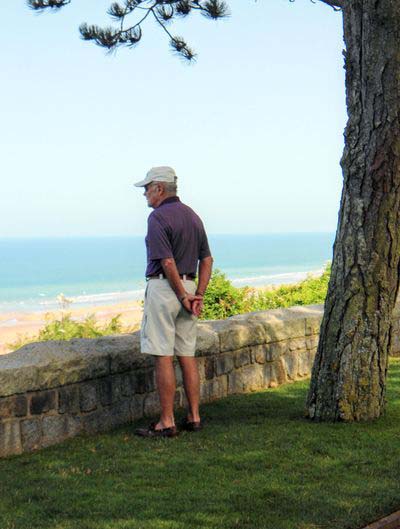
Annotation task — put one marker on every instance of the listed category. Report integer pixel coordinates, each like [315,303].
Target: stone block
[54,429]
[126,359]
[54,364]
[209,368]
[207,342]
[17,375]
[313,323]
[43,402]
[178,399]
[258,353]
[126,385]
[88,396]
[304,363]
[248,378]
[201,367]
[45,365]
[224,364]
[95,421]
[15,406]
[117,394]
[312,354]
[290,363]
[6,407]
[276,349]
[214,389]
[31,434]
[10,437]
[178,375]
[105,419]
[235,335]
[184,401]
[143,381]
[68,399]
[312,341]
[242,357]
[297,344]
[20,406]
[206,365]
[274,374]
[74,425]
[136,407]
[105,391]
[280,324]
[122,412]
[151,404]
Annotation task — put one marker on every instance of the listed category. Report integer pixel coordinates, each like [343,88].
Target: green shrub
[65,328]
[307,292]
[222,299]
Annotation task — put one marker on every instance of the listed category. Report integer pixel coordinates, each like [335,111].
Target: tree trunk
[349,373]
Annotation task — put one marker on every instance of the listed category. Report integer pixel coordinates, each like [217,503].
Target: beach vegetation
[222,299]
[257,464]
[311,291]
[64,327]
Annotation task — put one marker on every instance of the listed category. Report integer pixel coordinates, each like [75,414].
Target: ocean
[105,270]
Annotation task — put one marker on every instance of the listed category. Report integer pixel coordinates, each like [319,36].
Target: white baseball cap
[158,174]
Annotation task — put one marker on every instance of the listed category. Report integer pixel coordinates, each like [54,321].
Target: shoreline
[18,324]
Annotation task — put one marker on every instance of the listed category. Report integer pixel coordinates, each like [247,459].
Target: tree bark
[349,373]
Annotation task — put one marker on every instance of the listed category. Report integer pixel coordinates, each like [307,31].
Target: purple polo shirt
[175,230]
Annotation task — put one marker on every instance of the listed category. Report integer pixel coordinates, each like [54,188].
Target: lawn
[257,465]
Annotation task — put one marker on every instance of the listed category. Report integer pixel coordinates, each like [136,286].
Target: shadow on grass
[257,465]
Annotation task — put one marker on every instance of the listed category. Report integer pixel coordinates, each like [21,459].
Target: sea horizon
[101,270]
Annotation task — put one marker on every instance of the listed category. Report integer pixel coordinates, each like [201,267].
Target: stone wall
[51,391]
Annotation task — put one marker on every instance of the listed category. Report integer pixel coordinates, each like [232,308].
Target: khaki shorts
[167,328]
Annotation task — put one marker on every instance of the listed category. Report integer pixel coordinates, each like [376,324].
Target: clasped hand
[193,304]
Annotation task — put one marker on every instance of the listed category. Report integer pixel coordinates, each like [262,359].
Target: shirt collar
[169,200]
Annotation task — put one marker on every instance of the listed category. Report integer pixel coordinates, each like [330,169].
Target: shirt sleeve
[159,244]
[204,247]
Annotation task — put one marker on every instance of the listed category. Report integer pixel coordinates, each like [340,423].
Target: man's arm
[205,268]
[172,274]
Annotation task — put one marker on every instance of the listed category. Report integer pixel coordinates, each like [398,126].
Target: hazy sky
[254,128]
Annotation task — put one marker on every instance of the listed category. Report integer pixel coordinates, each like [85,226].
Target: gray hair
[170,187]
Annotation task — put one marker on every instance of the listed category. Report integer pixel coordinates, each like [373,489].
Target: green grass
[257,465]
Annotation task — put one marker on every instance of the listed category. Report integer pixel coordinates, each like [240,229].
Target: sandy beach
[17,324]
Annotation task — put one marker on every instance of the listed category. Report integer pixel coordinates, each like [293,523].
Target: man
[176,244]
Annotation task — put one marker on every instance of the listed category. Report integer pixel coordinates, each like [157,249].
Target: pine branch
[336,5]
[164,11]
[45,4]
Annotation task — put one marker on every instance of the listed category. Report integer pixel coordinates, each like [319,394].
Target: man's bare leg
[191,382]
[166,385]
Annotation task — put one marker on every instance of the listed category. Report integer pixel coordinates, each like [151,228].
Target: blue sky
[254,128]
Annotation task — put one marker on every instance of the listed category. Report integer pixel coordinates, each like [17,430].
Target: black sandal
[190,426]
[151,431]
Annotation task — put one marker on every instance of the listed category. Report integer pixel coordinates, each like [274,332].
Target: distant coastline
[23,323]
[107,270]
